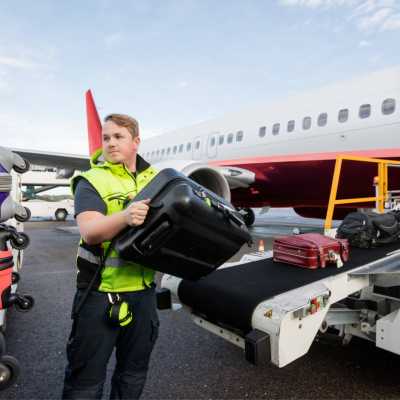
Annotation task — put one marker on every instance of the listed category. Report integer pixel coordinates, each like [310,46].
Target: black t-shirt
[87,198]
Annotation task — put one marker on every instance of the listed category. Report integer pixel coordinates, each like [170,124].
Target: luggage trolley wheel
[21,307]
[9,372]
[15,277]
[24,219]
[20,245]
[2,345]
[20,170]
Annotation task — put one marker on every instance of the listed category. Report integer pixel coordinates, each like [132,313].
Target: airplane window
[152,154]
[148,155]
[221,140]
[230,138]
[322,119]
[239,136]
[261,132]
[306,123]
[365,111]
[343,115]
[188,146]
[174,150]
[388,106]
[212,142]
[158,153]
[197,145]
[181,148]
[162,153]
[168,151]
[275,129]
[290,126]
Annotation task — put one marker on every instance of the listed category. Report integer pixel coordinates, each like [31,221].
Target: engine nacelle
[204,174]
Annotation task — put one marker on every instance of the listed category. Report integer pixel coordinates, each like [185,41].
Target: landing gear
[249,217]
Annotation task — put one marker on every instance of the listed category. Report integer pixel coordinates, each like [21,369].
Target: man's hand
[135,213]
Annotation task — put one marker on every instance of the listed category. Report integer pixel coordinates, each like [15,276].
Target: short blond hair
[126,121]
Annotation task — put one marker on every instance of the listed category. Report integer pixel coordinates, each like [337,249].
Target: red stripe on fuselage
[380,153]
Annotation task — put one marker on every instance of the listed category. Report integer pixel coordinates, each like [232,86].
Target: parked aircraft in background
[279,154]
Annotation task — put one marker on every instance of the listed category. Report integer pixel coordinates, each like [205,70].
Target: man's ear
[137,142]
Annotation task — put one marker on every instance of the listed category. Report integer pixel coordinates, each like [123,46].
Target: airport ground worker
[118,173]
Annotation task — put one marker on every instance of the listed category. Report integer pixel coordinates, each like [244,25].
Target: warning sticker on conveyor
[268,314]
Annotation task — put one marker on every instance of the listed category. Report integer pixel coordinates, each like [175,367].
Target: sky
[174,63]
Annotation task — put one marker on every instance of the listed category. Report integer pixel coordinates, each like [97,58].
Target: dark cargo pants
[95,340]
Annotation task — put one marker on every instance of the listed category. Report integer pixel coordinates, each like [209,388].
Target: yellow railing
[382,185]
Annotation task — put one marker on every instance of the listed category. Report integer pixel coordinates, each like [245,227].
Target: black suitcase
[189,231]
[368,229]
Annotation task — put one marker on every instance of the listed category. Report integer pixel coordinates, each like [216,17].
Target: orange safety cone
[261,248]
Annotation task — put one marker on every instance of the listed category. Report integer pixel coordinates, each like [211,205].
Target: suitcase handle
[155,206]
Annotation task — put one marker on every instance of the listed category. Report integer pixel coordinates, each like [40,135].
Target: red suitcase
[310,250]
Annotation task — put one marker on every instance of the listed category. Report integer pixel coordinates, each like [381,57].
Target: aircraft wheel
[9,372]
[24,169]
[249,217]
[24,219]
[25,307]
[61,215]
[20,243]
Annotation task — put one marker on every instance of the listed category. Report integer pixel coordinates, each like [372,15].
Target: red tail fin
[93,123]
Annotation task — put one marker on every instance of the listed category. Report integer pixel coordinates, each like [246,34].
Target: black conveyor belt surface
[230,295]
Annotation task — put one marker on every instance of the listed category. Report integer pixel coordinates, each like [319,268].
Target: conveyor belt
[230,295]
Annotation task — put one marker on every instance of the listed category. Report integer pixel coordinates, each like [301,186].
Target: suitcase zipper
[291,254]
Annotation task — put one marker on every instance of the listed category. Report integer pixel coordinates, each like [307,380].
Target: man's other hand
[135,213]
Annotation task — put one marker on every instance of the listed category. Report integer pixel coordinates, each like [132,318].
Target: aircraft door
[212,145]
[197,147]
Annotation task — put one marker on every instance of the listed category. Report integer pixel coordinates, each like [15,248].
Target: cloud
[151,131]
[18,63]
[374,20]
[364,43]
[114,39]
[47,134]
[392,23]
[316,3]
[182,84]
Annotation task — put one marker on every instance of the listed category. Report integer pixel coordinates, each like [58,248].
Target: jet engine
[202,173]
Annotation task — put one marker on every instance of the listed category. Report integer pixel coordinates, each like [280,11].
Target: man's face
[118,145]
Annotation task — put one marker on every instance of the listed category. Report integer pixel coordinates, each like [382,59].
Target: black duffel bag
[367,229]
[189,231]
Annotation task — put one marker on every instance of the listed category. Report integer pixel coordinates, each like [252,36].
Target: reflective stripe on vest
[112,262]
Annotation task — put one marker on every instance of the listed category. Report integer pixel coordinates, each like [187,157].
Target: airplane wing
[57,160]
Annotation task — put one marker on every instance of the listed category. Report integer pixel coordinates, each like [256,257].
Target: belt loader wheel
[24,306]
[21,242]
[9,372]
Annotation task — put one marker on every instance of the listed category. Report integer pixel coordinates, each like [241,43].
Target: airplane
[278,154]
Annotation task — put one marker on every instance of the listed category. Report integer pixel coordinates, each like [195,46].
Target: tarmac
[187,362]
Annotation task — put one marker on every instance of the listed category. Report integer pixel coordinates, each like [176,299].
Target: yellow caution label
[268,314]
[353,325]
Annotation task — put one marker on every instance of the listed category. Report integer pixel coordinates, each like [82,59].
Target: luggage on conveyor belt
[367,229]
[311,250]
[189,231]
